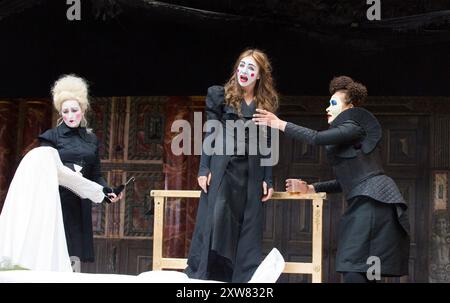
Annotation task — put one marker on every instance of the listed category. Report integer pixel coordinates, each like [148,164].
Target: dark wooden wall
[136,137]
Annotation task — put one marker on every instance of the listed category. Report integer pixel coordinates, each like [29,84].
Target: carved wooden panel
[402,145]
[146,132]
[305,153]
[114,218]
[440,142]
[99,118]
[301,152]
[120,256]
[137,222]
[36,120]
[98,218]
[119,128]
[135,256]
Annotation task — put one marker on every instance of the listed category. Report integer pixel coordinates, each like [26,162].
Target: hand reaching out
[264,117]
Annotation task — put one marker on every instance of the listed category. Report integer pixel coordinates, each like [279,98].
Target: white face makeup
[247,71]
[336,107]
[71,113]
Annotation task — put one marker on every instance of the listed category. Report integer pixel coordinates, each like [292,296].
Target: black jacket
[352,149]
[217,110]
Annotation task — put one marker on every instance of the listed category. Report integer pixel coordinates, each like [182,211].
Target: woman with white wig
[78,149]
[42,225]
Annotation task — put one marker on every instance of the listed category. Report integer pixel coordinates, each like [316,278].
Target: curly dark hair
[356,92]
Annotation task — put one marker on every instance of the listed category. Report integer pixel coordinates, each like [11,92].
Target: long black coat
[215,234]
[80,147]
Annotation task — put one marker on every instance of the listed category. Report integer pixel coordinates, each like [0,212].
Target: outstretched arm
[347,132]
[300,186]
[328,187]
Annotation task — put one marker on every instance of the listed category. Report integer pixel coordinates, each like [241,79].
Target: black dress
[80,147]
[226,244]
[375,222]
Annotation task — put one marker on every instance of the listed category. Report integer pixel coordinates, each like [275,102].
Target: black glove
[119,189]
[109,190]
[106,191]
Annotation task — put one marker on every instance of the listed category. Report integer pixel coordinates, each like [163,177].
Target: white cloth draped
[31,224]
[32,230]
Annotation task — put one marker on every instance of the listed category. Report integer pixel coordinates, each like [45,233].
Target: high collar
[65,130]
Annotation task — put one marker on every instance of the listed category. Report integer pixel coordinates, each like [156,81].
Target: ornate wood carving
[147,116]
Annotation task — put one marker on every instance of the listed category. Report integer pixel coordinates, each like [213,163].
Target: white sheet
[31,224]
[30,276]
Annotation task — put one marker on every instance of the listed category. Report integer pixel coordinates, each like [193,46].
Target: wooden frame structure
[314,268]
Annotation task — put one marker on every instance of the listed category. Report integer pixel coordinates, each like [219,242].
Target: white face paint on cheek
[71,113]
[334,109]
[247,71]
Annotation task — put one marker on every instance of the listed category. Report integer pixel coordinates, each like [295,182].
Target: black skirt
[230,207]
[227,240]
[371,228]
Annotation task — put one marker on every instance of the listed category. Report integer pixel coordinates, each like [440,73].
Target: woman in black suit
[227,239]
[78,149]
[375,223]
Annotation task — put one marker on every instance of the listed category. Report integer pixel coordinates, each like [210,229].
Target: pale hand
[298,186]
[203,182]
[264,117]
[114,198]
[267,192]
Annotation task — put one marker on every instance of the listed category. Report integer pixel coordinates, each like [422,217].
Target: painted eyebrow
[248,64]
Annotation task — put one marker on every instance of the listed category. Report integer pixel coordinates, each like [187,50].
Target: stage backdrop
[135,133]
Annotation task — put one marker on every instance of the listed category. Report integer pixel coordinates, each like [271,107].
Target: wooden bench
[314,268]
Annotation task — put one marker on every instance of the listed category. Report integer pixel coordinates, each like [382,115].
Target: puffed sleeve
[48,138]
[213,108]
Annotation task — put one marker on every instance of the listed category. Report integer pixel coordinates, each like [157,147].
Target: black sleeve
[97,176]
[329,187]
[347,132]
[214,107]
[48,138]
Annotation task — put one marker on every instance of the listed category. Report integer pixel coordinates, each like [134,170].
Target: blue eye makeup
[333,102]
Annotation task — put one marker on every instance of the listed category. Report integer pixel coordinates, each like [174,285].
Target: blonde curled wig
[266,96]
[71,87]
